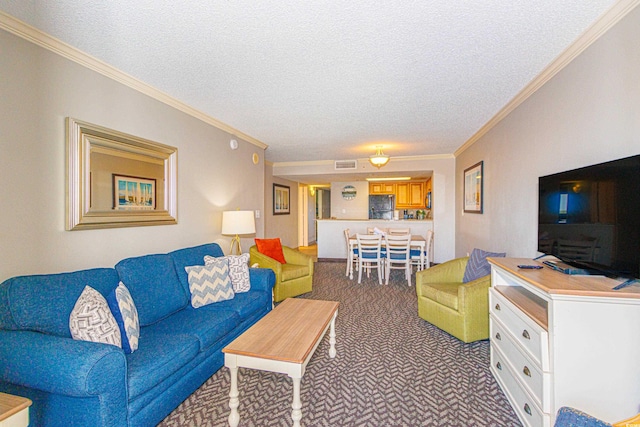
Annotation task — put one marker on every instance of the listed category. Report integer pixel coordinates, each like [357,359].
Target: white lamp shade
[238,222]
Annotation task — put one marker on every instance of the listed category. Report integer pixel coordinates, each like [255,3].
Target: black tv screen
[590,217]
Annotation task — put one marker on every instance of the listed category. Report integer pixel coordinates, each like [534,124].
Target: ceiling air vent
[341,165]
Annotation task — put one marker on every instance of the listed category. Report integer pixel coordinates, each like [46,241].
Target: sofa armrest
[448,272]
[262,279]
[296,257]
[63,366]
[264,261]
[473,297]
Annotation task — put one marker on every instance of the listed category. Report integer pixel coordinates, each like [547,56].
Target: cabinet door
[402,195]
[381,188]
[416,194]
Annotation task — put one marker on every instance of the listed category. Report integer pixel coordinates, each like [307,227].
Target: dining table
[417,241]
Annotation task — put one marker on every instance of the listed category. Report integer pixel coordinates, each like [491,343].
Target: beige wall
[39,90]
[283,226]
[356,208]
[588,113]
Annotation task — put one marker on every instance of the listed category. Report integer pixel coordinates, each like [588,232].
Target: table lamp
[235,223]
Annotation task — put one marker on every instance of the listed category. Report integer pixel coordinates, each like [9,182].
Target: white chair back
[369,254]
[424,260]
[399,231]
[398,255]
[352,254]
[429,248]
[369,245]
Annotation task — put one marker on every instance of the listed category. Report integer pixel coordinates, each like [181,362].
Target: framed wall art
[473,197]
[281,200]
[118,180]
[133,193]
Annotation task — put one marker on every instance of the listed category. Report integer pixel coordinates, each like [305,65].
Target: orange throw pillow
[271,248]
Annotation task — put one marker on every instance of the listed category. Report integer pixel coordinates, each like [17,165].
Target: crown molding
[305,163]
[365,160]
[421,157]
[591,34]
[42,39]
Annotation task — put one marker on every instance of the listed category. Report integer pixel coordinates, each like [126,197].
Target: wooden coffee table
[283,341]
[14,410]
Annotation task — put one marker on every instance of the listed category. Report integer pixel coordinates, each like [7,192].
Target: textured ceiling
[329,79]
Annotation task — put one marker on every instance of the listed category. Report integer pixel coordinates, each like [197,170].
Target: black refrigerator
[381,207]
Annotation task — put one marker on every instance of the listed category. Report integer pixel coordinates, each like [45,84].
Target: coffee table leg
[332,336]
[234,401]
[296,414]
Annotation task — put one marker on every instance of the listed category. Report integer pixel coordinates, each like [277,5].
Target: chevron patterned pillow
[126,315]
[91,319]
[210,283]
[478,266]
[238,271]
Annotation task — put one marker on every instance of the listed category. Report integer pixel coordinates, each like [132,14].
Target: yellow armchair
[461,309]
[293,278]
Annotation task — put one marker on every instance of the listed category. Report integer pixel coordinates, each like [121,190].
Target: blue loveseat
[80,383]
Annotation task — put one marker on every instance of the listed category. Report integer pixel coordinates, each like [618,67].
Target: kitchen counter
[330,237]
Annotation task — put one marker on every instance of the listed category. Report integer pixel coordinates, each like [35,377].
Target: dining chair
[370,255]
[398,256]
[399,231]
[427,257]
[352,255]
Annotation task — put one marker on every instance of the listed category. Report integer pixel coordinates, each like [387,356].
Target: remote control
[530,267]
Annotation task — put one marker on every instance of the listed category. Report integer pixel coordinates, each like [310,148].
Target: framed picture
[281,200]
[133,193]
[473,188]
[100,161]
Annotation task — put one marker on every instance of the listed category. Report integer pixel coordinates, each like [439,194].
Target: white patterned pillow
[126,315]
[238,271]
[91,319]
[209,283]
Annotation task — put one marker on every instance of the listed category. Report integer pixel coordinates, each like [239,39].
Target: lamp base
[235,242]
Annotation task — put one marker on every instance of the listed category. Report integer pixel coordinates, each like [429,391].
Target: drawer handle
[527,409]
[525,334]
[498,307]
[498,365]
[498,337]
[526,371]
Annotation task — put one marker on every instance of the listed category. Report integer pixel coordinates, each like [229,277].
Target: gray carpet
[392,369]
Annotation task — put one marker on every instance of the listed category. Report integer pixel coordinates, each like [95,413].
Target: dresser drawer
[527,370]
[528,411]
[531,336]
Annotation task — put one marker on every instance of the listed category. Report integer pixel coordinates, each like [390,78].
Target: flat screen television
[590,217]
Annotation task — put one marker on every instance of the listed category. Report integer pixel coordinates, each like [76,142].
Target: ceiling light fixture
[379,159]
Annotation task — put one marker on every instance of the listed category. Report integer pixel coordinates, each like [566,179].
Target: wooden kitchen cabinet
[410,195]
[382,188]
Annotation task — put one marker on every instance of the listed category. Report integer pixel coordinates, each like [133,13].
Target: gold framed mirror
[118,180]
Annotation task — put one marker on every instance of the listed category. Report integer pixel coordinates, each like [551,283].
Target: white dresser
[560,340]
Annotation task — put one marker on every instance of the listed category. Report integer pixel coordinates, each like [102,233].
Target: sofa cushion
[154,286]
[157,358]
[92,320]
[126,315]
[247,304]
[238,271]
[293,271]
[208,324]
[443,293]
[192,256]
[210,283]
[271,248]
[478,266]
[43,303]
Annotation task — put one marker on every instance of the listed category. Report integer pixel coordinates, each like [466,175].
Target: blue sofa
[79,383]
